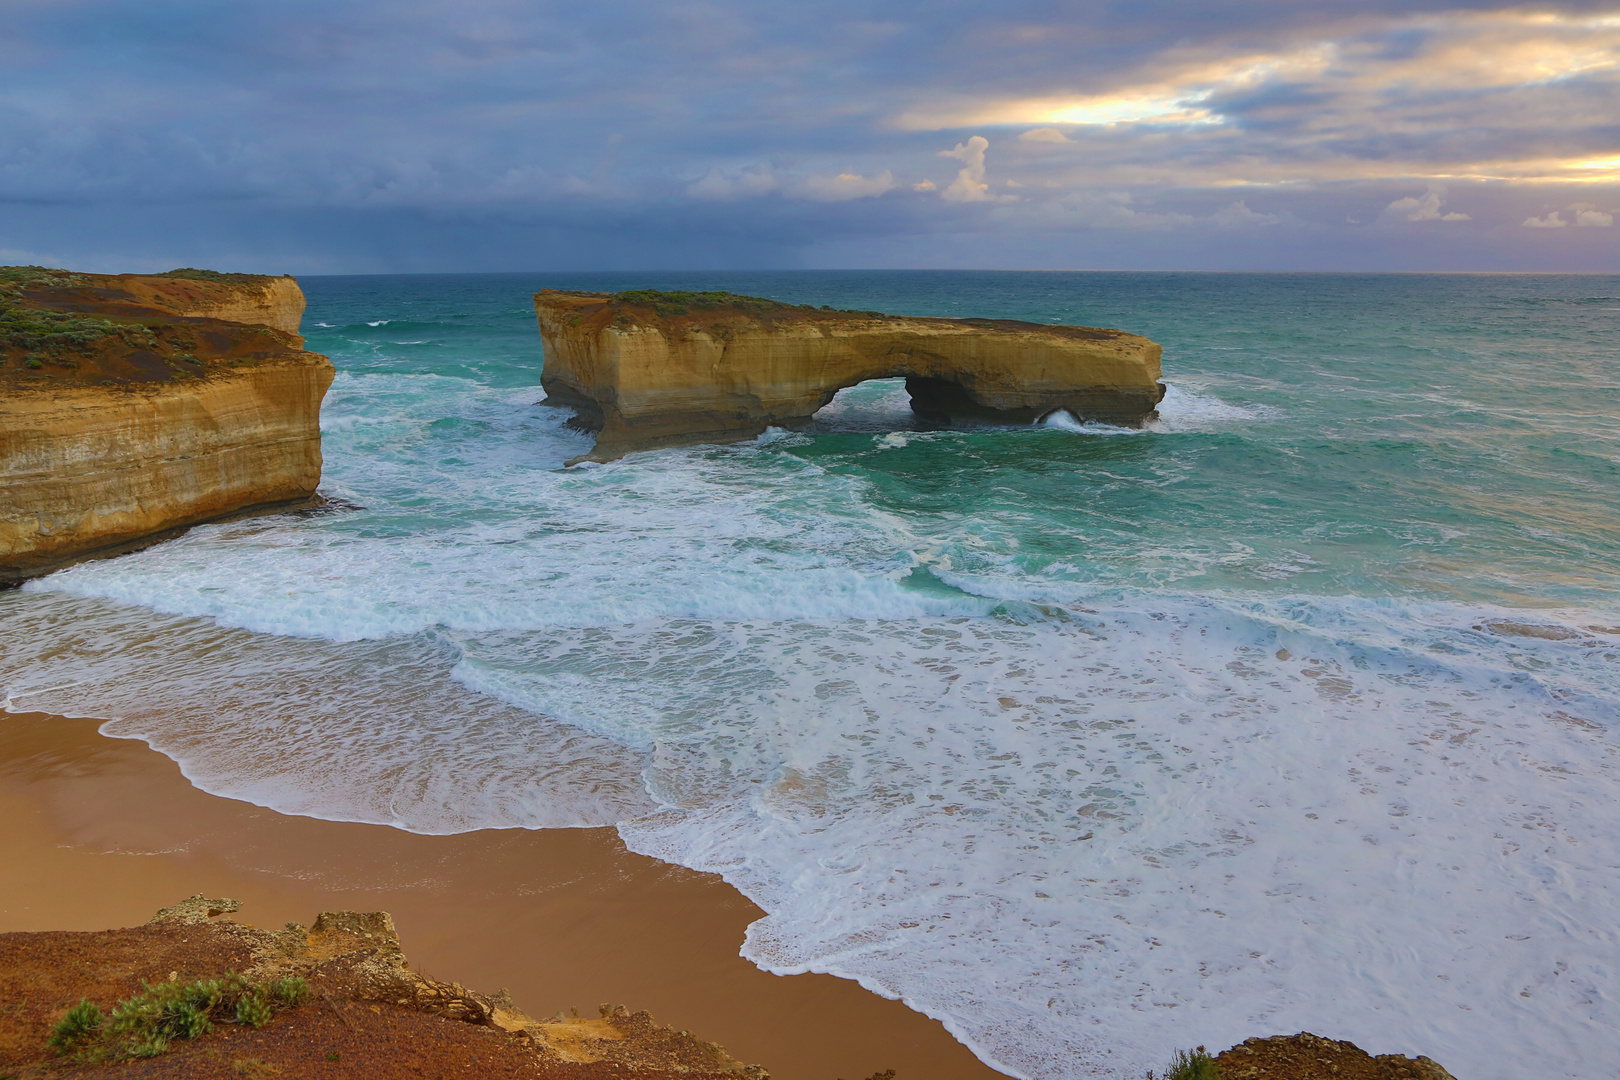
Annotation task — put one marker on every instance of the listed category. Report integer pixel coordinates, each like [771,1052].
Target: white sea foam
[1186,410]
[366,731]
[1078,837]
[1064,420]
[1182,410]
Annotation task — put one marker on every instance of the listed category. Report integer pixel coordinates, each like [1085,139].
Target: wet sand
[102,832]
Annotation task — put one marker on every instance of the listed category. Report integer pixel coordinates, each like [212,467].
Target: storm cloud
[352,135]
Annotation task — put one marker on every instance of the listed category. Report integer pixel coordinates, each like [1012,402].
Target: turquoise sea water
[1295,710]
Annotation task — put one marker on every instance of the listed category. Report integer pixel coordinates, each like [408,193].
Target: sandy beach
[102,832]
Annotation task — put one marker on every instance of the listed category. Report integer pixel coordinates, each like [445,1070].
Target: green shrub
[290,991]
[1192,1065]
[39,277]
[82,1022]
[149,1046]
[253,1010]
[682,303]
[145,1024]
[193,274]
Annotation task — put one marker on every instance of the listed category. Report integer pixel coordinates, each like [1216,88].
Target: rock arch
[646,369]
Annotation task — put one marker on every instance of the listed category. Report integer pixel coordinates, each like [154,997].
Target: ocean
[1295,710]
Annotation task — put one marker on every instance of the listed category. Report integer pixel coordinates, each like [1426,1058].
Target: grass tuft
[191,273]
[144,1025]
[289,992]
[254,1010]
[81,1023]
[1192,1065]
[667,304]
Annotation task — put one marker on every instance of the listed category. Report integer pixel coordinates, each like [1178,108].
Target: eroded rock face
[129,408]
[658,369]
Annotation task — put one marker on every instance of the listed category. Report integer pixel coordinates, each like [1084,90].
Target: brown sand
[102,832]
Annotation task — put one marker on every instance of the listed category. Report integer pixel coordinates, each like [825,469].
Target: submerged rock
[646,369]
[132,406]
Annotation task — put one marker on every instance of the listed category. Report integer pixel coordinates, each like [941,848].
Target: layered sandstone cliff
[129,408]
[645,369]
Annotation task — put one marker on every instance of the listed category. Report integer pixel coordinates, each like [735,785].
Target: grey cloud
[433,134]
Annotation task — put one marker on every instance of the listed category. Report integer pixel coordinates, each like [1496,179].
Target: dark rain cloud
[496,134]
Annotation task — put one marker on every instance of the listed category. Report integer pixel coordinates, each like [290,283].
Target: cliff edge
[132,406]
[191,995]
[645,369]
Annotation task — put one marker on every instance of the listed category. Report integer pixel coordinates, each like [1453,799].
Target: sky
[362,136]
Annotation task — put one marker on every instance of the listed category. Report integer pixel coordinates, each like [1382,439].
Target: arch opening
[907,403]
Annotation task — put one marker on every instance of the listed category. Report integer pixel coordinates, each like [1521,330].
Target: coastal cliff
[130,407]
[645,369]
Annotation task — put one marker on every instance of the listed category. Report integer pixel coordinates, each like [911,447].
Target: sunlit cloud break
[1354,72]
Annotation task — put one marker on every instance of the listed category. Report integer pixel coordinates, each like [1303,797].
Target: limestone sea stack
[645,369]
[132,406]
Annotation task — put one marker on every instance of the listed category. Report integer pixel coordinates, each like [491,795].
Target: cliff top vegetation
[31,335]
[668,304]
[59,328]
[681,312]
[191,273]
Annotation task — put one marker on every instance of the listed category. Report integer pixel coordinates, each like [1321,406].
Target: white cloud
[1238,216]
[925,185]
[1425,209]
[970,184]
[1580,214]
[750,183]
[1044,134]
[847,186]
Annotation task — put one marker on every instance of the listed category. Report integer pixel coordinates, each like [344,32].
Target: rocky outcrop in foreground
[132,406]
[360,1010]
[645,369]
[1311,1057]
